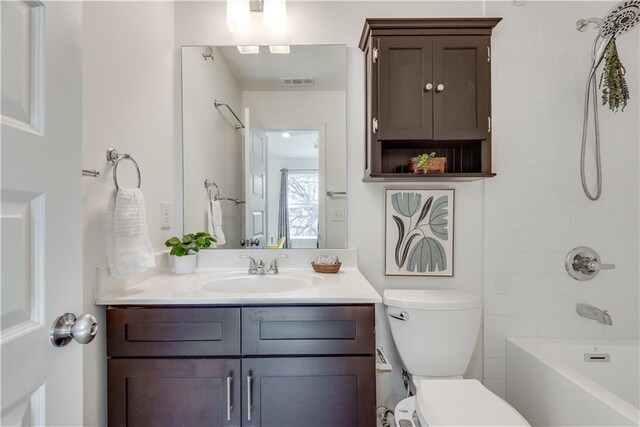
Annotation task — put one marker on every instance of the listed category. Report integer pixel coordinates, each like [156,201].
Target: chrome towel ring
[114,157]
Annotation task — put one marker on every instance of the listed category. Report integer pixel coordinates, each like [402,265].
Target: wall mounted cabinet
[428,89]
[258,366]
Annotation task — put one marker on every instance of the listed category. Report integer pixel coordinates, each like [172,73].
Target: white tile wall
[535,211]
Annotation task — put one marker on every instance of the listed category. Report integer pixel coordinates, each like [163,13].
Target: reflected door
[41,210]
[255,163]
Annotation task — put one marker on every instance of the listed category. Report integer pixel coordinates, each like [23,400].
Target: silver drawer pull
[249,404]
[229,407]
[402,316]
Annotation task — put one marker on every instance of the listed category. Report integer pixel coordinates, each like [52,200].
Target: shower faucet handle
[595,265]
[583,263]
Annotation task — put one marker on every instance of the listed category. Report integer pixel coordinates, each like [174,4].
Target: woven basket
[326,268]
[434,165]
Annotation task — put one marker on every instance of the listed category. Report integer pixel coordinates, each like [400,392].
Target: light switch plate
[337,215]
[165,215]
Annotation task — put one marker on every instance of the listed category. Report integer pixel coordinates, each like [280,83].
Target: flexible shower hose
[591,91]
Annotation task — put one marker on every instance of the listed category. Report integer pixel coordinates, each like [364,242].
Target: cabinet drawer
[173,332]
[308,330]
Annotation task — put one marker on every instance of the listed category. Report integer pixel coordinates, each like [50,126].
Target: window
[302,197]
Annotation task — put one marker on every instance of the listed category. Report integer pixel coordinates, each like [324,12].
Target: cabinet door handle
[440,88]
[428,87]
[229,407]
[249,404]
[374,125]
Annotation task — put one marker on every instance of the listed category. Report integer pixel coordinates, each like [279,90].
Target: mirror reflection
[264,145]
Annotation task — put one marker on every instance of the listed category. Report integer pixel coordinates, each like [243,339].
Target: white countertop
[348,286]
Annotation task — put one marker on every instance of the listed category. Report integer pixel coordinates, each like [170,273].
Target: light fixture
[245,50]
[286,134]
[238,16]
[275,16]
[284,49]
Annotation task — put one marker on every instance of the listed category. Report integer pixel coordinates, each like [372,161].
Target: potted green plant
[185,250]
[427,163]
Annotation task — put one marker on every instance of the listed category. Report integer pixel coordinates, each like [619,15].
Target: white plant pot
[185,264]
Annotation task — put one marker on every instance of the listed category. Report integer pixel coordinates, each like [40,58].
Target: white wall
[535,211]
[305,110]
[128,104]
[212,146]
[203,23]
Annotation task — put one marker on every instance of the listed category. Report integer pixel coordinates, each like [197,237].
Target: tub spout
[591,312]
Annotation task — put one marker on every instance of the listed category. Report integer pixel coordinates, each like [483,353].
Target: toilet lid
[463,403]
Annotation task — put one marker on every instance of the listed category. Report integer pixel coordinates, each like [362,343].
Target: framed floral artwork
[419,232]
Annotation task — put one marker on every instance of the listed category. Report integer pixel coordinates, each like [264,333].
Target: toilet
[435,332]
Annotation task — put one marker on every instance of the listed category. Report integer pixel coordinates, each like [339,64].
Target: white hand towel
[129,249]
[214,223]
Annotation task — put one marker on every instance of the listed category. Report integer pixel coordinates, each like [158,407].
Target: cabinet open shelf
[412,177]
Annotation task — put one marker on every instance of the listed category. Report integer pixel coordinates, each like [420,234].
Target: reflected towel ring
[114,157]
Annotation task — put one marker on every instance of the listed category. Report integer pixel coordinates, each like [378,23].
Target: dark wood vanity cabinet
[284,366]
[428,89]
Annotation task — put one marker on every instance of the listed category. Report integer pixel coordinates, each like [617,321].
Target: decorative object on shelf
[419,232]
[185,250]
[615,92]
[326,264]
[428,163]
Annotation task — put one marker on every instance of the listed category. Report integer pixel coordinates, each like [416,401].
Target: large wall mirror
[264,145]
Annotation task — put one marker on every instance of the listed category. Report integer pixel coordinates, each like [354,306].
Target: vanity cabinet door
[462,86]
[404,102]
[309,392]
[174,392]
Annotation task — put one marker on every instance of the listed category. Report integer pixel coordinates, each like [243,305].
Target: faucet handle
[252,263]
[595,265]
[273,267]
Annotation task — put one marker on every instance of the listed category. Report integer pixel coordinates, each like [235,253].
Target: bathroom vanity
[189,350]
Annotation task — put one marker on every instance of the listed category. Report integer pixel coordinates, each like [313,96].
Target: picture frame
[419,232]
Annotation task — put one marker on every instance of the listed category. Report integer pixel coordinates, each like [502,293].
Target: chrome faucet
[273,267]
[255,267]
[591,312]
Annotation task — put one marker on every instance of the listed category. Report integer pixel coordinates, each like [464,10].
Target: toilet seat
[463,403]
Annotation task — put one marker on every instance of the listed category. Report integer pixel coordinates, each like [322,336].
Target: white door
[41,213]
[255,166]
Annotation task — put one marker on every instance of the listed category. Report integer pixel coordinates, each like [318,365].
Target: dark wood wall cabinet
[271,366]
[428,89]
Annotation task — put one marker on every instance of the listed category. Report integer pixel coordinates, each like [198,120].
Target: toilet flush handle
[402,316]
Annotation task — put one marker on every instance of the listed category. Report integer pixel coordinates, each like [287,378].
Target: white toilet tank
[439,330]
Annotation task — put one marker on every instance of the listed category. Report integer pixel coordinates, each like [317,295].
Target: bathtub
[574,382]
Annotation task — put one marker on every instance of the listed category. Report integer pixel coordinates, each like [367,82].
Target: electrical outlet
[337,215]
[165,215]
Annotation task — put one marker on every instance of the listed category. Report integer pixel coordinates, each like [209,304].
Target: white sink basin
[248,284]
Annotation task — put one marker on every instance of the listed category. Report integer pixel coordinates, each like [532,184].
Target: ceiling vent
[296,81]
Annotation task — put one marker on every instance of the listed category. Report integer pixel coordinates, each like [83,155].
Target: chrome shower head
[621,19]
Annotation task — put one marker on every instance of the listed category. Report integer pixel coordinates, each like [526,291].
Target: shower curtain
[283,212]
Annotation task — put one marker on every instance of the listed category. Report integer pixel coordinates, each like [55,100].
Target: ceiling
[300,144]
[263,71]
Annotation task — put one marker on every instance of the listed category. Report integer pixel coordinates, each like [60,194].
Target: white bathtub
[550,383]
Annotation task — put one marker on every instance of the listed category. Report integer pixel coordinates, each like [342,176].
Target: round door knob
[428,87]
[440,87]
[68,327]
